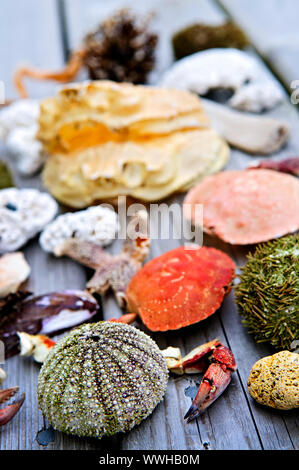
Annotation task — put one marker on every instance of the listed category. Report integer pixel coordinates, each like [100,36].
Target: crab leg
[214,382]
[7,413]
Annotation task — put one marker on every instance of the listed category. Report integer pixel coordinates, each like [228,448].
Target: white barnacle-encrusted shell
[97,224]
[18,128]
[101,379]
[23,214]
[225,68]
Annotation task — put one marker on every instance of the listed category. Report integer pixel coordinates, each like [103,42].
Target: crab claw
[215,380]
[7,413]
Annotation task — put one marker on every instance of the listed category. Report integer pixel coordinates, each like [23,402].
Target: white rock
[23,214]
[18,128]
[96,224]
[225,68]
[26,149]
[21,113]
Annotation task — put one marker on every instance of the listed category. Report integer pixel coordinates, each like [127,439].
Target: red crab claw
[7,413]
[216,378]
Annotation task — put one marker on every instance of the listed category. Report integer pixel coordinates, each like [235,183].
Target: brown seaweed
[199,37]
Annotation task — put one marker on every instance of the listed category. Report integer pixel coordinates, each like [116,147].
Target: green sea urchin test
[268,292]
[101,379]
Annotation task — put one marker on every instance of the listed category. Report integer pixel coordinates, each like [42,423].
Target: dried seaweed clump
[199,37]
[268,292]
[122,49]
[101,379]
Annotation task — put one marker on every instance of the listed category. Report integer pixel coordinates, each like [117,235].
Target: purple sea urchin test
[101,379]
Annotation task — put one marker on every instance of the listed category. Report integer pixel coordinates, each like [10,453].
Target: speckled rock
[101,379]
[274,381]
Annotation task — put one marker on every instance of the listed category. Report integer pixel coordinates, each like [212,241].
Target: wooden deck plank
[272,26]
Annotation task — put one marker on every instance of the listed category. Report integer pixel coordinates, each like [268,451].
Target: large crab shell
[180,287]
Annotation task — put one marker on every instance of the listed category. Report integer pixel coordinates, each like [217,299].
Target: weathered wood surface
[234,421]
[272,26]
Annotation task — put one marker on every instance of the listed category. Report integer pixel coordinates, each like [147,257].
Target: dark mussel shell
[46,314]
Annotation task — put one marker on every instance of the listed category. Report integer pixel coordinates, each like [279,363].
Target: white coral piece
[225,68]
[21,113]
[23,214]
[26,149]
[97,224]
[18,128]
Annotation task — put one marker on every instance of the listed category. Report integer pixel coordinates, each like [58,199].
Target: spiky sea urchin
[101,379]
[268,292]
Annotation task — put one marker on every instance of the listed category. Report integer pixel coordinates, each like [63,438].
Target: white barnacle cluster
[23,214]
[225,69]
[18,129]
[96,224]
[101,379]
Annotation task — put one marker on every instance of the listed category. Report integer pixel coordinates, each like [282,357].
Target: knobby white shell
[97,224]
[18,128]
[14,270]
[225,68]
[23,214]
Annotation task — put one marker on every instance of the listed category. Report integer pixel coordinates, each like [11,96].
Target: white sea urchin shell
[225,68]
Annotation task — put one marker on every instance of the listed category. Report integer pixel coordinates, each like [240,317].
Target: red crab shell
[180,287]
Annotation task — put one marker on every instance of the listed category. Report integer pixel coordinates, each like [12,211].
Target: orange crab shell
[180,287]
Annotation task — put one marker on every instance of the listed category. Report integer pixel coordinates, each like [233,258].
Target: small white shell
[18,128]
[172,356]
[23,214]
[14,270]
[225,68]
[2,375]
[37,346]
[96,224]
